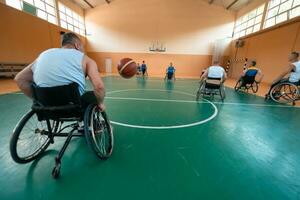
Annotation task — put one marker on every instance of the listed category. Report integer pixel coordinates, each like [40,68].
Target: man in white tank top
[62,66]
[292,73]
[214,72]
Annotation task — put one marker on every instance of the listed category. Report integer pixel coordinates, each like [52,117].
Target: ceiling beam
[211,1]
[88,3]
[234,2]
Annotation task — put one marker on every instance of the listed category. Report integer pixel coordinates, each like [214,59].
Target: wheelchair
[59,112]
[170,77]
[285,93]
[246,83]
[211,87]
[138,72]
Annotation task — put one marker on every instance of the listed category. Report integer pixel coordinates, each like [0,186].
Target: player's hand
[101,107]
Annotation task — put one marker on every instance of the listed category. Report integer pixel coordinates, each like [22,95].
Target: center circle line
[165,127]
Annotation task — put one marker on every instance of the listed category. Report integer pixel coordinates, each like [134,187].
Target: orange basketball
[127,68]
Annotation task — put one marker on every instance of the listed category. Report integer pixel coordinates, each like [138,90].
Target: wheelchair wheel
[198,95]
[98,132]
[254,87]
[30,138]
[222,93]
[238,85]
[200,91]
[284,93]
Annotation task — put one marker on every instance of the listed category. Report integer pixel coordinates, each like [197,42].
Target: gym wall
[126,28]
[24,37]
[270,49]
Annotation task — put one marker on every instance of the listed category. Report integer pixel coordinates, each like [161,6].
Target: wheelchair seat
[297,83]
[248,80]
[211,86]
[213,83]
[59,102]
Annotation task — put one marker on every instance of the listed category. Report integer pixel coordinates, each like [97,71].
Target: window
[249,23]
[280,11]
[71,20]
[14,3]
[45,9]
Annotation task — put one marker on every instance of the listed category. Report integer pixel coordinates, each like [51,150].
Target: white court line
[155,100]
[184,101]
[165,127]
[197,102]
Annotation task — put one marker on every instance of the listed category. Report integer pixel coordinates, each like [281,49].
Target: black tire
[37,133]
[284,93]
[222,93]
[56,172]
[254,87]
[198,96]
[237,86]
[96,125]
[200,91]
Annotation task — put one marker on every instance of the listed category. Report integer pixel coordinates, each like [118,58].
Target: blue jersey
[251,71]
[171,69]
[143,67]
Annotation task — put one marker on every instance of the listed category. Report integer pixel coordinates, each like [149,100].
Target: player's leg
[88,98]
[170,75]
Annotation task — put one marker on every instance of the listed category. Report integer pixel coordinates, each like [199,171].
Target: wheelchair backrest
[250,75]
[213,83]
[56,96]
[248,79]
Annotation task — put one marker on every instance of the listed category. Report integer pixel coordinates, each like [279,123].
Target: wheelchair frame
[173,77]
[245,85]
[56,127]
[285,93]
[211,90]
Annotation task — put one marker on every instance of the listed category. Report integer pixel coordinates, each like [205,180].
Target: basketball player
[62,66]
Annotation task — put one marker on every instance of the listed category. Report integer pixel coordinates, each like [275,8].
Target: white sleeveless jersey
[55,67]
[295,76]
[216,72]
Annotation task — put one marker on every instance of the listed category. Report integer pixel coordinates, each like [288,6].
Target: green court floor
[167,146]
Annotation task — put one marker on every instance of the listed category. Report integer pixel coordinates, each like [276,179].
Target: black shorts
[170,75]
[88,98]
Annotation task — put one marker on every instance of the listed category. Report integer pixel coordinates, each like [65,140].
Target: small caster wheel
[198,97]
[56,172]
[267,97]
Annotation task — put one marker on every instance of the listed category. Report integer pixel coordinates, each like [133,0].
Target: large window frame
[45,9]
[250,22]
[71,20]
[274,12]
[54,12]
[280,11]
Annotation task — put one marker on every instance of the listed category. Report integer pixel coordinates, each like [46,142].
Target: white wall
[184,26]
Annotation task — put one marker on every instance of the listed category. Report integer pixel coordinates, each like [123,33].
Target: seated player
[215,72]
[139,70]
[250,73]
[291,74]
[144,68]
[62,66]
[170,71]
